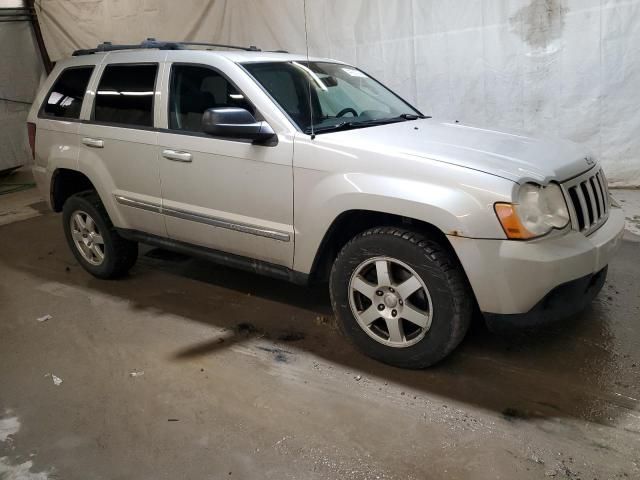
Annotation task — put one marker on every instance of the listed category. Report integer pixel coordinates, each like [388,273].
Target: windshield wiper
[366,123]
[412,116]
[350,125]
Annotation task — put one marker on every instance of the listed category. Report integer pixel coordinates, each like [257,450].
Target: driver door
[225,194]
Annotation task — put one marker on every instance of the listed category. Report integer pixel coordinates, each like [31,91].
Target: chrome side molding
[205,219]
[130,202]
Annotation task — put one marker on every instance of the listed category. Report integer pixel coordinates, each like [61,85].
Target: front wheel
[93,239]
[400,297]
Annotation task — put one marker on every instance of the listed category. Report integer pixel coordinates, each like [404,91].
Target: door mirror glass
[234,122]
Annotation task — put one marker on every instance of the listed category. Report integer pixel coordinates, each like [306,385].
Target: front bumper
[512,278]
[562,302]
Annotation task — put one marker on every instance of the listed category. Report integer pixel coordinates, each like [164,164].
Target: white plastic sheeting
[569,68]
[20,75]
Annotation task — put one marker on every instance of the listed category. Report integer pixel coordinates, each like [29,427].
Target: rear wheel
[94,240]
[400,297]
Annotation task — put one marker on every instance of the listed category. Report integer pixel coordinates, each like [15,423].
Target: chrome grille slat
[573,215]
[592,200]
[583,208]
[605,191]
[596,187]
[587,199]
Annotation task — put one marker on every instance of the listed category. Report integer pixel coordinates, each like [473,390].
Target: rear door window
[65,98]
[193,90]
[125,95]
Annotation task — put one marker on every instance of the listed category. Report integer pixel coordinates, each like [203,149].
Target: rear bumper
[512,278]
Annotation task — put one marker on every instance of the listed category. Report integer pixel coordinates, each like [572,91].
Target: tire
[441,304]
[119,254]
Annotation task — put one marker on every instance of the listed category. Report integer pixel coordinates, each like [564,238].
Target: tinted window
[324,96]
[195,89]
[287,86]
[65,99]
[125,95]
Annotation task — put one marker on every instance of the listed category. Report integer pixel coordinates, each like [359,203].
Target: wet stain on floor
[279,355]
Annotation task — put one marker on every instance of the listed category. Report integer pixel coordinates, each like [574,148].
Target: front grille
[588,201]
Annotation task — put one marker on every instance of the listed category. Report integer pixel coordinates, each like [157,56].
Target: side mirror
[233,122]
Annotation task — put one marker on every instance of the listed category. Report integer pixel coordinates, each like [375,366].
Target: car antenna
[306,41]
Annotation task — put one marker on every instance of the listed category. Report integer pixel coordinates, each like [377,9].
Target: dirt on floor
[189,370]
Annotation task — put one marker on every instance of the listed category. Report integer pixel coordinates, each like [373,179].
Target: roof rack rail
[151,43]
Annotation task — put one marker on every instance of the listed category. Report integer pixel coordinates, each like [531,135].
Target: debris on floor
[280,441]
[136,373]
[44,318]
[57,381]
[325,321]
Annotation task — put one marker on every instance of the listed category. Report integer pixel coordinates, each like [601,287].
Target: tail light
[31,130]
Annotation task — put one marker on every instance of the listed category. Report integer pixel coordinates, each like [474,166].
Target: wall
[562,67]
[20,76]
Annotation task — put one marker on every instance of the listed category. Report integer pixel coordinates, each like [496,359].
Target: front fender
[451,203]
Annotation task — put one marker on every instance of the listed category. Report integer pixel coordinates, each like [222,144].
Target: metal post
[48,64]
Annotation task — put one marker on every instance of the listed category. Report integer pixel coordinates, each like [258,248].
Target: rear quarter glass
[64,100]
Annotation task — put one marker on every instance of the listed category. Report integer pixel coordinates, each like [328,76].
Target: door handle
[93,142]
[176,156]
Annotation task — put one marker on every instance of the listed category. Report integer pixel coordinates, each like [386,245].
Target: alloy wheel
[390,302]
[87,238]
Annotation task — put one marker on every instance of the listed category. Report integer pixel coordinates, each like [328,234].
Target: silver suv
[310,170]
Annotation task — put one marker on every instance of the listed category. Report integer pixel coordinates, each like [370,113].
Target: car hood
[512,156]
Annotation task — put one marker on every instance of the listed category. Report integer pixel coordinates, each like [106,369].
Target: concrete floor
[190,370]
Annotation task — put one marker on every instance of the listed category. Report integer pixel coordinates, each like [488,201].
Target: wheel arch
[350,223]
[66,182]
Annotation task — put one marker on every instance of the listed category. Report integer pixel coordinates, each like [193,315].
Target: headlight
[537,211]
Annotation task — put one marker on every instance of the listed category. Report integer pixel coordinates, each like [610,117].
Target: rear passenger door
[119,143]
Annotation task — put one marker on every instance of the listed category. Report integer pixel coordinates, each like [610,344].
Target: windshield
[329,96]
